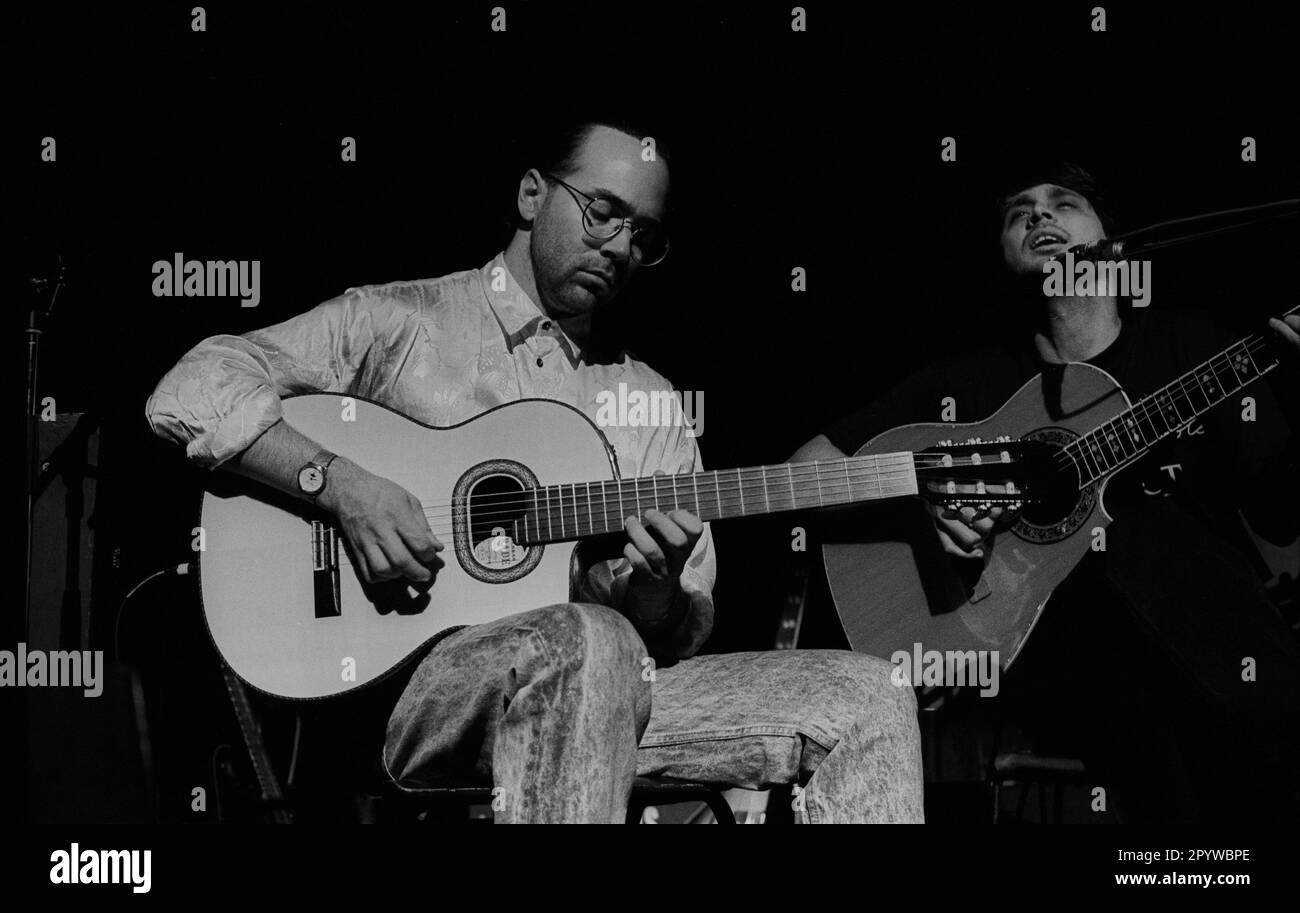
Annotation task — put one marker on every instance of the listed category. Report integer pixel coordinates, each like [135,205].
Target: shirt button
[539,362]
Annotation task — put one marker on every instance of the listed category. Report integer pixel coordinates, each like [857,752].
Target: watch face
[311,479]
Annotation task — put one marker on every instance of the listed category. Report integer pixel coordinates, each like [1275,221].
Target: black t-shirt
[1137,662]
[1217,466]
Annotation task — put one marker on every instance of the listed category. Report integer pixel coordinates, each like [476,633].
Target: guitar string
[777,475]
[727,502]
[1149,406]
[859,476]
[1072,453]
[830,495]
[868,475]
[889,489]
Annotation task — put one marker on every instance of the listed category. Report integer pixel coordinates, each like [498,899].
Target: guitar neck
[561,513]
[1172,408]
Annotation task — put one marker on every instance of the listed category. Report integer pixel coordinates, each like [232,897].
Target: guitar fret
[717,494]
[817,474]
[1150,433]
[1209,384]
[591,524]
[1115,441]
[1104,459]
[1223,373]
[1083,456]
[604,507]
[1170,406]
[695,486]
[1134,431]
[1232,366]
[1158,412]
[766,500]
[848,478]
[1196,387]
[1096,452]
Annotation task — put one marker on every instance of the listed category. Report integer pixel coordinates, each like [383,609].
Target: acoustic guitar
[512,492]
[894,588]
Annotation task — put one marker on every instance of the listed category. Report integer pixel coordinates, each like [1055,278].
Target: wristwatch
[312,477]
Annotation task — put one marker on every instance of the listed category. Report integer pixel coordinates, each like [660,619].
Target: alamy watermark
[948,669]
[1089,278]
[181,278]
[23,668]
[626,408]
[78,866]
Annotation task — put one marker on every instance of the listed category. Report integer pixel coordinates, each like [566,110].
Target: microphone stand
[38,312]
[1208,225]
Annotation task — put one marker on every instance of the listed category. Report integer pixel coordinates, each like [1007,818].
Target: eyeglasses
[599,221]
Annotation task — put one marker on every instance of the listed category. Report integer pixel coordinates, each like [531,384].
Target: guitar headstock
[981,474]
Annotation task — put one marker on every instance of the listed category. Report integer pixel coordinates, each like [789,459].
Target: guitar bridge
[325,569]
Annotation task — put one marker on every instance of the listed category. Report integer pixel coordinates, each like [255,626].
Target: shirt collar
[518,315]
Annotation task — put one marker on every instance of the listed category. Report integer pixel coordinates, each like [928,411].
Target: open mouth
[1047,238]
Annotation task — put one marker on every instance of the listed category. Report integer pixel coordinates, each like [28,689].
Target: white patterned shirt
[440,351]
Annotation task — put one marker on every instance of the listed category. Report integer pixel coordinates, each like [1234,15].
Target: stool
[1027,769]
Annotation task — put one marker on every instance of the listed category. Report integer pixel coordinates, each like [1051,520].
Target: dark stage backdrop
[818,150]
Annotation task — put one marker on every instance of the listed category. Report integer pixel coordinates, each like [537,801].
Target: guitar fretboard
[559,513]
[1173,407]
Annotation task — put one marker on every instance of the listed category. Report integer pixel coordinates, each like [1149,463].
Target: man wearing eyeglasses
[557,703]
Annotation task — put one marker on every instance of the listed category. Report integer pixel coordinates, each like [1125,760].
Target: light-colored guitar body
[894,588]
[291,623]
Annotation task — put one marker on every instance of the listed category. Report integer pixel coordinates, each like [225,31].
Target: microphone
[1105,249]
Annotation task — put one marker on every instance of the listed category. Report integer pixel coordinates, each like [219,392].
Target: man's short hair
[1062,173]
[555,149]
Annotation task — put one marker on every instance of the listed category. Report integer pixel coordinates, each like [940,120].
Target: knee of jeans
[875,680]
[585,634]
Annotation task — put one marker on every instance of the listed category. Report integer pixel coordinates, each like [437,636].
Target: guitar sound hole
[1056,494]
[495,503]
[1058,506]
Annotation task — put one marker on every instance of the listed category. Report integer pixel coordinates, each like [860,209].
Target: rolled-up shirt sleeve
[226,391]
[671,450]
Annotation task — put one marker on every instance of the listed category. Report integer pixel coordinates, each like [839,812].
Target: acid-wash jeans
[562,707]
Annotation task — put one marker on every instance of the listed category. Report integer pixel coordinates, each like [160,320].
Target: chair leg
[635,809]
[1020,803]
[779,808]
[722,812]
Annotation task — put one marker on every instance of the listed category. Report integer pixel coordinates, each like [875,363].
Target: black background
[817,149]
